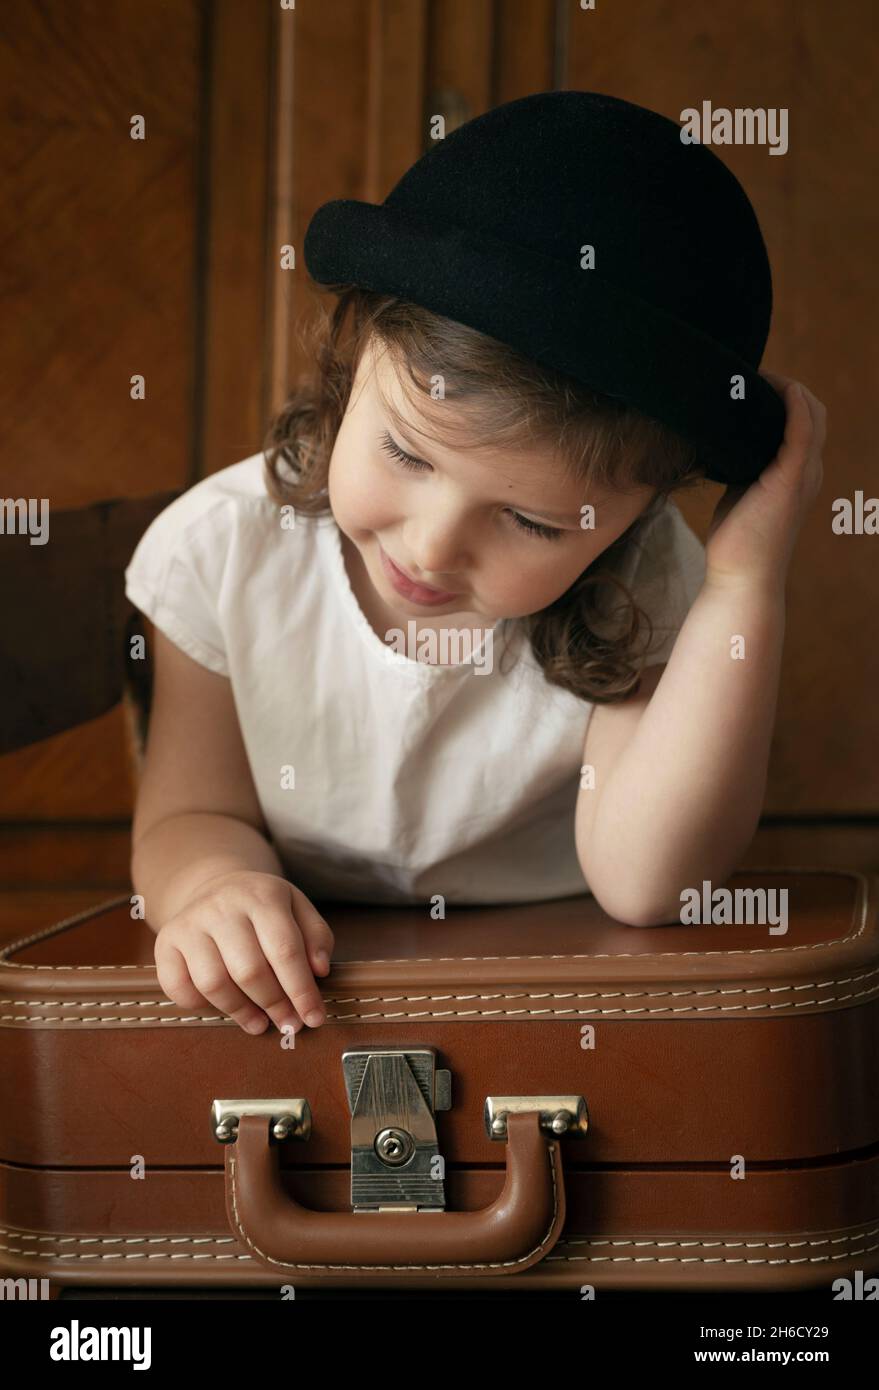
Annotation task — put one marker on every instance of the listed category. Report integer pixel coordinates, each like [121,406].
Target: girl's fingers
[243,953]
[779,382]
[818,411]
[798,427]
[806,405]
[174,976]
[315,930]
[798,461]
[285,947]
[211,981]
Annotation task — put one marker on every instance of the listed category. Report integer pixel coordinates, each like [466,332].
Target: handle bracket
[287,1118]
[558,1114]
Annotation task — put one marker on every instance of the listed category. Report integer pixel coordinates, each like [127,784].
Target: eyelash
[533,528]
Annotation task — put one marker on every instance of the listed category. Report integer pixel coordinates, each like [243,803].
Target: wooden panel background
[819,211]
[162,256]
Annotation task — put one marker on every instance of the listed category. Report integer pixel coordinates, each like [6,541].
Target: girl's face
[460,522]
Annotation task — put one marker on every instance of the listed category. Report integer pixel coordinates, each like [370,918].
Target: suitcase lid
[689,1044]
[815,949]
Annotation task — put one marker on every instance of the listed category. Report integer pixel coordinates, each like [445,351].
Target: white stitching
[84,1003]
[563,1244]
[699,1259]
[726,1244]
[111,1018]
[422,960]
[548,994]
[590,1011]
[125,1240]
[48,1255]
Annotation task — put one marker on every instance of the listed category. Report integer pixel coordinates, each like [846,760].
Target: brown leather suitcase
[519,1097]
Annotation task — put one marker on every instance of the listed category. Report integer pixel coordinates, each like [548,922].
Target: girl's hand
[245,940]
[754,529]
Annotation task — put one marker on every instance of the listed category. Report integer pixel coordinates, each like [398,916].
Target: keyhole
[394,1146]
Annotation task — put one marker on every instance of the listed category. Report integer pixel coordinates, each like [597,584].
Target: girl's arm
[679,782]
[197,814]
[232,932]
[680,800]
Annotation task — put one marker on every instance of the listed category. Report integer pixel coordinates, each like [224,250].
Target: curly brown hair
[514,402]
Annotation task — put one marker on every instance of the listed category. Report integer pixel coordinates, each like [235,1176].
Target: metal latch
[558,1114]
[393,1094]
[287,1118]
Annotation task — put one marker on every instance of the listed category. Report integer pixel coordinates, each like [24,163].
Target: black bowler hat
[488,227]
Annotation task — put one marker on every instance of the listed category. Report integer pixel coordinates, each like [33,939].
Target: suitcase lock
[393,1094]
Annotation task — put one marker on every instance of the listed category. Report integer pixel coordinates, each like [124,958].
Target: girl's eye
[533,528]
[536,528]
[390,447]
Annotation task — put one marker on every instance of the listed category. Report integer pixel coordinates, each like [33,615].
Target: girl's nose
[438,554]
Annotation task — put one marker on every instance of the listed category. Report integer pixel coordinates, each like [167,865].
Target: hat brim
[574,321]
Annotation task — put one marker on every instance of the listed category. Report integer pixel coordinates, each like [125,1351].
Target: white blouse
[383,778]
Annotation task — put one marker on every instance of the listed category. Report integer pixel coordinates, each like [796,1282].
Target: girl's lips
[416,593]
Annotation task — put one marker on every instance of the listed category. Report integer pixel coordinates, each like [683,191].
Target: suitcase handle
[515,1231]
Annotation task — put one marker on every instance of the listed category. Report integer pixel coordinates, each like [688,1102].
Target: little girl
[447,640]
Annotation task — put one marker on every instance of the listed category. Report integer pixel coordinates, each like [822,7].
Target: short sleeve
[175,574]
[668,573]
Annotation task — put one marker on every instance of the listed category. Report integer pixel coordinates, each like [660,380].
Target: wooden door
[160,257]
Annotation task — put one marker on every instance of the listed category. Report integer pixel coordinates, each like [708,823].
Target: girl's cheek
[513,585]
[531,589]
[360,496]
[346,478]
